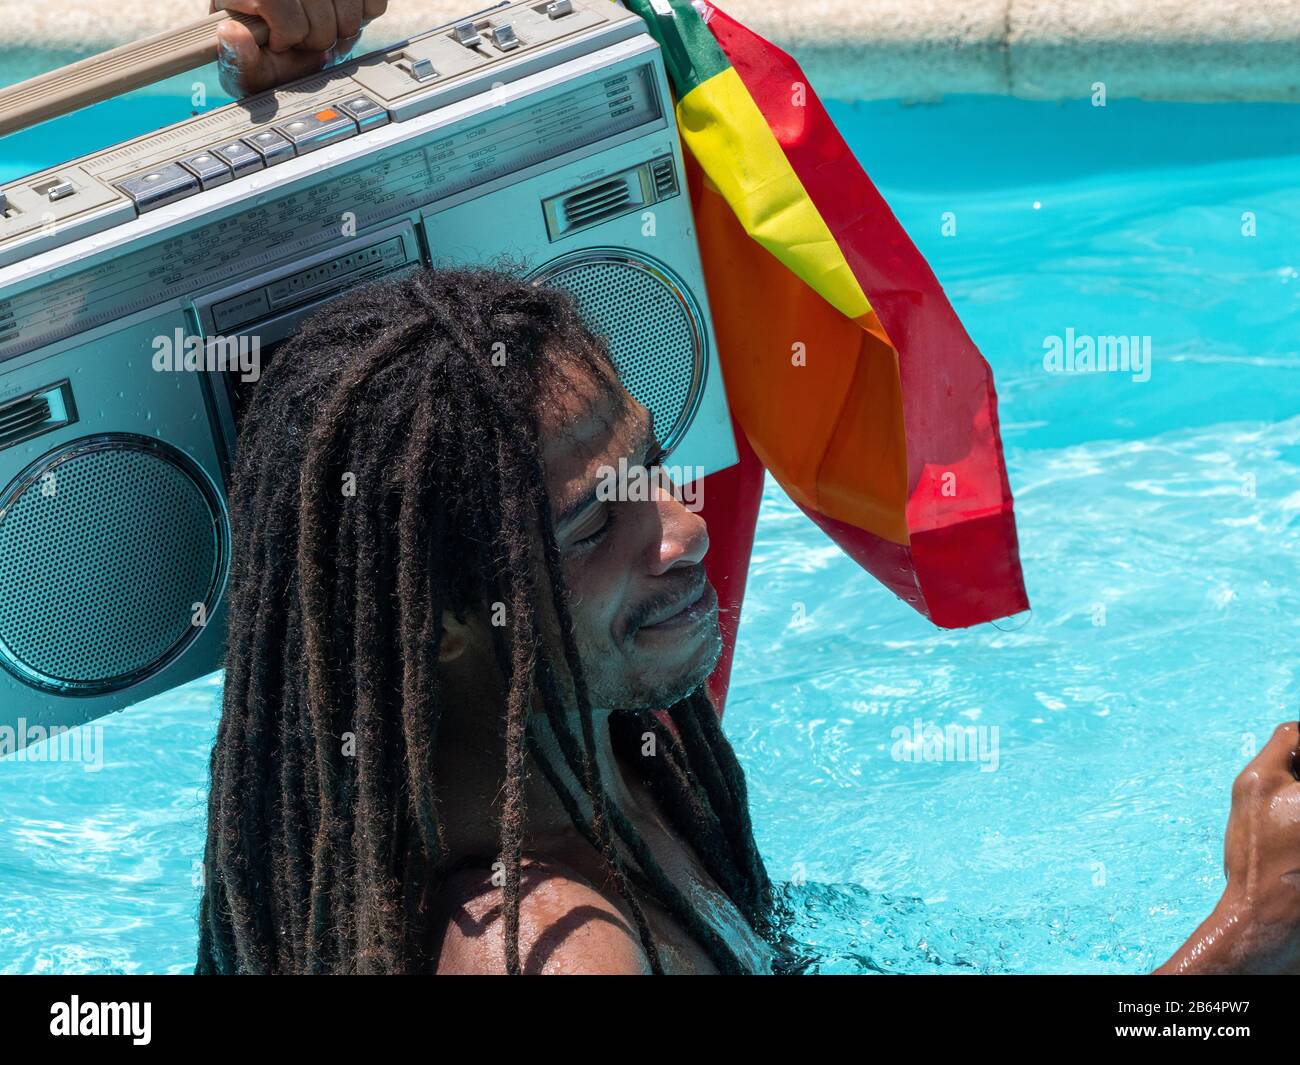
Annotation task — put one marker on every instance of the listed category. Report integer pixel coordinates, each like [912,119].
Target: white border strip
[867,49]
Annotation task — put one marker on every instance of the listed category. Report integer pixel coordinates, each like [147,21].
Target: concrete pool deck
[917,50]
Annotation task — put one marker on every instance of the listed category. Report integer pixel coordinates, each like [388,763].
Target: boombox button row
[364,111]
[271,146]
[466,33]
[505,38]
[309,132]
[208,169]
[156,188]
[239,157]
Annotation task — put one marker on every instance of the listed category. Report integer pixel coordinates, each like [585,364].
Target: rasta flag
[848,374]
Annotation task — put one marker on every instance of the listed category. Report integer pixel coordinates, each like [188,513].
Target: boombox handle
[103,76]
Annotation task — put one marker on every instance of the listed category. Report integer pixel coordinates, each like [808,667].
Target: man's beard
[668,691]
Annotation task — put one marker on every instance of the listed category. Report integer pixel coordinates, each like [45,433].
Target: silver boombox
[134,281]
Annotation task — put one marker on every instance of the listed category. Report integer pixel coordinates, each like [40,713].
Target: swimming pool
[1158,520]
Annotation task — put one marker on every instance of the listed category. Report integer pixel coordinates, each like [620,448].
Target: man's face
[645,616]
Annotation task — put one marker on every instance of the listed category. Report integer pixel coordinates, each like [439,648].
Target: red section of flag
[731,499]
[963,564]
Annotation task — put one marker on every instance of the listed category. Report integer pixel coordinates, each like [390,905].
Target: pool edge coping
[908,49]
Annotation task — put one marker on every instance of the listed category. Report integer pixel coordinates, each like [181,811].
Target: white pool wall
[1194,50]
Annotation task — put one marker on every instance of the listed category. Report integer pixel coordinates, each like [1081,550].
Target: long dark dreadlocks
[325,860]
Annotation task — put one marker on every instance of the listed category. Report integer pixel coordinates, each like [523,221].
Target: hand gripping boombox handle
[120,70]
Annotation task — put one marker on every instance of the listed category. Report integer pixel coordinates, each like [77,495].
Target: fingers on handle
[286,19]
[323,27]
[240,61]
[244,7]
[347,17]
[304,35]
[245,68]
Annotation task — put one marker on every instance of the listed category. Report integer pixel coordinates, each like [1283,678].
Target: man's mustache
[686,587]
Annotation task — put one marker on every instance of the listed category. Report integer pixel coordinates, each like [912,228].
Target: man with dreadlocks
[439,748]
[464,726]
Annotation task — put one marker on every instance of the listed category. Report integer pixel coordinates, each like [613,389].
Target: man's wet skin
[645,620]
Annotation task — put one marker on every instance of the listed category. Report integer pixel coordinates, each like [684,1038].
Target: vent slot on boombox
[665,179]
[589,205]
[37,412]
[596,204]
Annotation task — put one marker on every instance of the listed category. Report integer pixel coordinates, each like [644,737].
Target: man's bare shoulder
[566,926]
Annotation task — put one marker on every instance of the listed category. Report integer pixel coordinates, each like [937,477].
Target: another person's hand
[1256,925]
[306,35]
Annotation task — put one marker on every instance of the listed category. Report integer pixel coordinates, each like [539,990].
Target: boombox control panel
[100,191]
[461,159]
[209,168]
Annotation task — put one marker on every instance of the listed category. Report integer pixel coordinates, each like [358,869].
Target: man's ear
[456,637]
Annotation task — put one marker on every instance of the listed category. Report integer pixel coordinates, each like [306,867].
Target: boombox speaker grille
[106,547]
[653,325]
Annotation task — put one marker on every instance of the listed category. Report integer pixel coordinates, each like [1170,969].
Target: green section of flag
[690,51]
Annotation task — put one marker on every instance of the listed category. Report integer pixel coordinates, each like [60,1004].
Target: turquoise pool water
[1173,503]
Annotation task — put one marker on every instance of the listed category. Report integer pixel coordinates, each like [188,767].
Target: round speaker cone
[653,326]
[112,553]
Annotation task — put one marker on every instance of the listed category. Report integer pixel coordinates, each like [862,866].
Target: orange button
[327,114]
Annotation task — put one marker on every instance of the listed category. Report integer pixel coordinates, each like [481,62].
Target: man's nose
[683,536]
